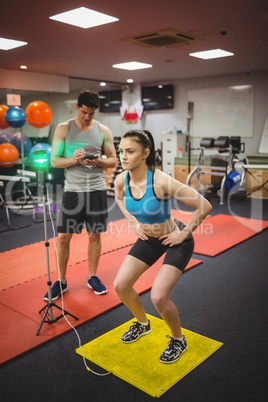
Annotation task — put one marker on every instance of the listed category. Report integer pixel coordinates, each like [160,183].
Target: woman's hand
[139,232]
[175,237]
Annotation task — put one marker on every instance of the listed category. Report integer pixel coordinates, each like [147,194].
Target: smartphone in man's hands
[90,156]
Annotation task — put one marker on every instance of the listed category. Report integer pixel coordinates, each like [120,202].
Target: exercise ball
[4,138]
[41,145]
[9,155]
[3,123]
[38,114]
[15,139]
[15,117]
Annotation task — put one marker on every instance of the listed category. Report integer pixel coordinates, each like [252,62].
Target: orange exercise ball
[38,114]
[9,155]
[3,123]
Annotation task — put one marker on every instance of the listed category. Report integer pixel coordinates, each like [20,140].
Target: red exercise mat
[26,263]
[20,305]
[221,232]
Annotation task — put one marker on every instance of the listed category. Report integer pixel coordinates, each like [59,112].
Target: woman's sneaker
[136,331]
[56,290]
[175,348]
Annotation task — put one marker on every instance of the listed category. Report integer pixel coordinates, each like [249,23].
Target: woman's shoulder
[162,183]
[120,179]
[160,175]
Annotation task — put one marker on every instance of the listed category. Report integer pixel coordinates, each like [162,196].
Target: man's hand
[79,155]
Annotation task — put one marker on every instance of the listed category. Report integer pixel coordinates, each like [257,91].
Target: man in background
[77,147]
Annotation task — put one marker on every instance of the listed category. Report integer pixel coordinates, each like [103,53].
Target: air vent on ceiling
[163,38]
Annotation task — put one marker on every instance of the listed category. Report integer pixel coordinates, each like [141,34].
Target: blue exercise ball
[15,117]
[15,139]
[4,138]
[41,145]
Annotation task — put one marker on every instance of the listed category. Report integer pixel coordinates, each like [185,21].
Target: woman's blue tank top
[149,209]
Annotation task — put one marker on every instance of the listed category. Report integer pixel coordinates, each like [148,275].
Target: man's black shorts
[78,209]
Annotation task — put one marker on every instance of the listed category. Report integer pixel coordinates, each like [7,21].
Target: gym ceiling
[238,26]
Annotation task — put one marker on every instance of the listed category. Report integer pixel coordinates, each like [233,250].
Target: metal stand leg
[48,309]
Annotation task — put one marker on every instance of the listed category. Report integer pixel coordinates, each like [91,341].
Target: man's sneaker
[97,285]
[136,331]
[175,348]
[57,289]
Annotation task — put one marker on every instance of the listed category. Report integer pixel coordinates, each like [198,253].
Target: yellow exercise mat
[138,362]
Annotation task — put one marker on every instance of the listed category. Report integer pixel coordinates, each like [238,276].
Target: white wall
[260,82]
[176,119]
[63,107]
[28,81]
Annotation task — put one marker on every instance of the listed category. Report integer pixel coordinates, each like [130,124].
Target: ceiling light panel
[83,17]
[8,44]
[211,54]
[132,65]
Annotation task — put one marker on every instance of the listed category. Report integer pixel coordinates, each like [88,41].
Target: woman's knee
[116,285]
[119,286]
[158,299]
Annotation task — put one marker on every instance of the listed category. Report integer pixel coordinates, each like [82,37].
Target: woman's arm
[189,197]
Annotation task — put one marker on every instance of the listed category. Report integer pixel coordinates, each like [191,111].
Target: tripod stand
[48,309]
